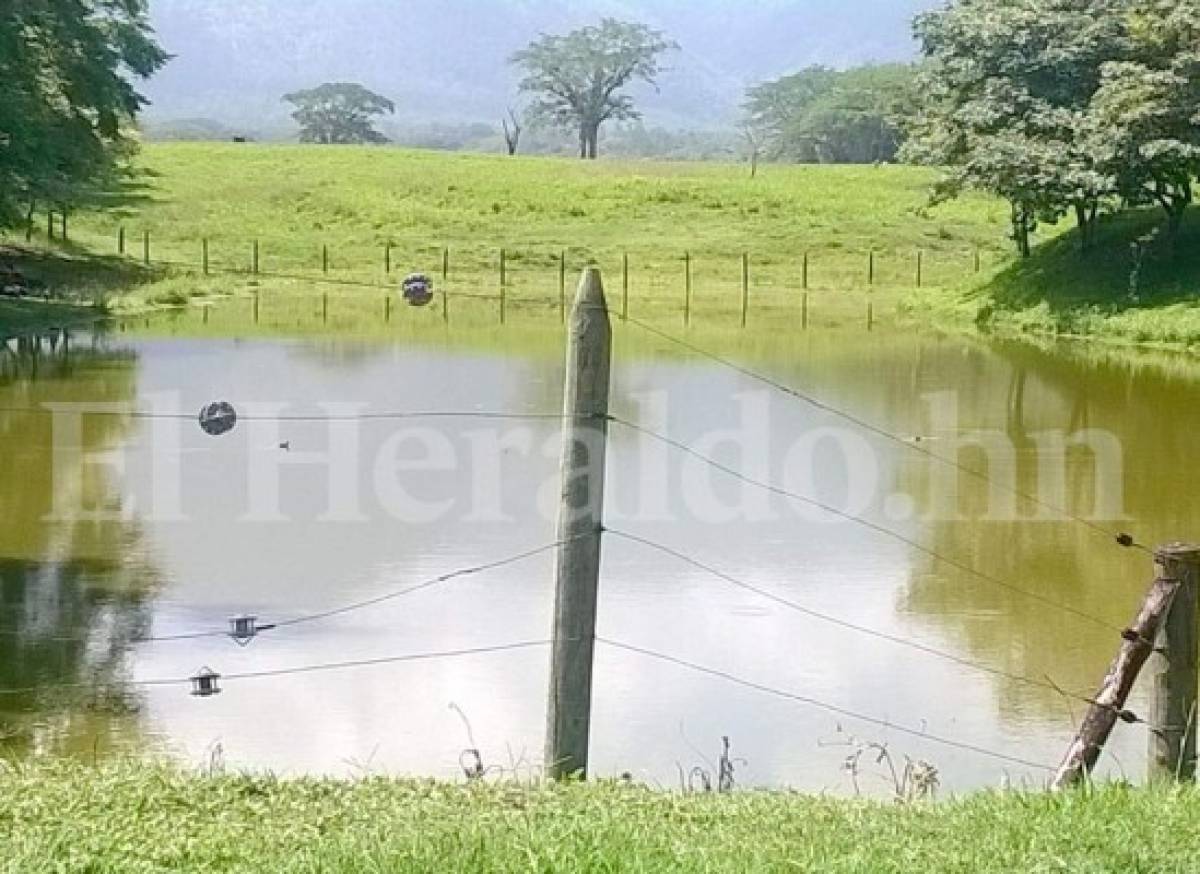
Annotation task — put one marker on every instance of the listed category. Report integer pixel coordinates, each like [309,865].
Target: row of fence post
[805,261]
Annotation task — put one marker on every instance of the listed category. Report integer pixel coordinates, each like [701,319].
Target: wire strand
[866,523]
[298,670]
[843,623]
[822,705]
[879,431]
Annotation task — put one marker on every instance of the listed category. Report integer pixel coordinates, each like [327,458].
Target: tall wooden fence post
[1174,669]
[580,530]
[745,287]
[146,248]
[687,289]
[445,263]
[625,287]
[920,267]
[121,240]
[254,258]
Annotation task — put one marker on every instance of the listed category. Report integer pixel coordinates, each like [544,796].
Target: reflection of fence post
[325,306]
[387,308]
[1109,704]
[804,311]
[870,315]
[1174,668]
[580,527]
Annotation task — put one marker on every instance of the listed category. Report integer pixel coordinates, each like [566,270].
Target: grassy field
[301,202]
[130,819]
[329,221]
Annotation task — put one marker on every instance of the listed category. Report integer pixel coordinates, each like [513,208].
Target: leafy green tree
[824,116]
[1146,112]
[66,98]
[339,113]
[577,80]
[1008,98]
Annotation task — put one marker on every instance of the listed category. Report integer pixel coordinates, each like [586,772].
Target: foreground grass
[128,819]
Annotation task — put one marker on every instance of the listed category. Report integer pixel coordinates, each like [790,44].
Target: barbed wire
[1121,538]
[822,705]
[293,671]
[866,523]
[844,623]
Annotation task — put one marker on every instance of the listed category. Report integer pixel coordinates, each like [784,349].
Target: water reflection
[73,594]
[118,581]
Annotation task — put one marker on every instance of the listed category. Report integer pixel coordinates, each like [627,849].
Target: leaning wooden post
[1174,669]
[580,528]
[1108,707]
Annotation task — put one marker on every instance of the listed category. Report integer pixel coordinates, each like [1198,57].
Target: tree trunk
[1020,228]
[29,220]
[1086,218]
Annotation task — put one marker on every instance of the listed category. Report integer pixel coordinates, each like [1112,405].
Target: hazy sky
[446,60]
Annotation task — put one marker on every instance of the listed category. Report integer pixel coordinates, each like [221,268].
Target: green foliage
[66,99]
[823,116]
[339,113]
[134,819]
[1063,106]
[577,79]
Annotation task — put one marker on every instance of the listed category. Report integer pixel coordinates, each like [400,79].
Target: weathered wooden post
[1108,706]
[687,288]
[121,240]
[580,530]
[745,287]
[625,287]
[1174,669]
[146,248]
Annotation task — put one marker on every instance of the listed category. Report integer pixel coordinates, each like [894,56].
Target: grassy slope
[129,819]
[1061,292]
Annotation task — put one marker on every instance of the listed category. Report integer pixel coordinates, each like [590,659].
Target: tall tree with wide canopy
[577,80]
[66,97]
[339,113]
[1009,95]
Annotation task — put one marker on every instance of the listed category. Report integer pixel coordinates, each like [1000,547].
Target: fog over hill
[446,60]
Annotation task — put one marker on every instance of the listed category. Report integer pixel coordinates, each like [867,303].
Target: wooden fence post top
[1188,553]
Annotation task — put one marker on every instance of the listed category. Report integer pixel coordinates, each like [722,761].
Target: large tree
[819,115]
[339,113]
[1009,101]
[577,80]
[66,97]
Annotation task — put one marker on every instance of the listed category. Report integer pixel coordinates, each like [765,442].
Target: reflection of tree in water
[73,593]
[1022,392]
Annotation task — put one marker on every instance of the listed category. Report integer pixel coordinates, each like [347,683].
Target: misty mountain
[445,61]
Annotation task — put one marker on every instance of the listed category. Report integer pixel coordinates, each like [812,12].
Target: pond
[119,528]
